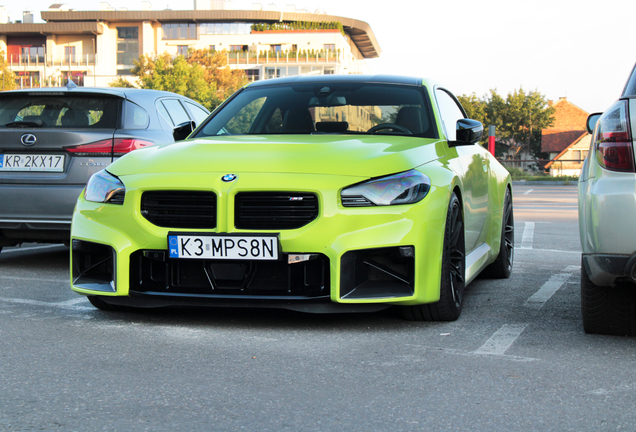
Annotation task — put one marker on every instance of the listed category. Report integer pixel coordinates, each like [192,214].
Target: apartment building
[95,47]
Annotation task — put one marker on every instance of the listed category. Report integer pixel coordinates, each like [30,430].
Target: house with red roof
[566,141]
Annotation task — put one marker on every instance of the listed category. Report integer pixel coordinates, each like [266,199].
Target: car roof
[362,79]
[123,92]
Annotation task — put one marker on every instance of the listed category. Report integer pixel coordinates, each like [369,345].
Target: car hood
[307,154]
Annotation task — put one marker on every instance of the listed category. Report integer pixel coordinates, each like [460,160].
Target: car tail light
[109,147]
[98,148]
[126,145]
[613,139]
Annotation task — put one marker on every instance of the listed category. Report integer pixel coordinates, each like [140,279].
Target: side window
[176,111]
[450,113]
[198,113]
[163,114]
[136,116]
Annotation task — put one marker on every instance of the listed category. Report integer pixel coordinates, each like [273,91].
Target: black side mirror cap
[181,131]
[468,131]
[592,119]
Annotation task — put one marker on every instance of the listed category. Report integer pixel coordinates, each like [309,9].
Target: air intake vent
[275,210]
[180,209]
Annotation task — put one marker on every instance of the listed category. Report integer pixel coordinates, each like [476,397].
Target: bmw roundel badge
[227,178]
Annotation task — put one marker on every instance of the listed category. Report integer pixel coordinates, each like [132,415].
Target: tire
[608,310]
[502,267]
[452,282]
[102,305]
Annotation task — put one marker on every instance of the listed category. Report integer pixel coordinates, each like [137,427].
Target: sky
[580,49]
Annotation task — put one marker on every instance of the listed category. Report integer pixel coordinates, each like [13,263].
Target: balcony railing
[264,57]
[17,61]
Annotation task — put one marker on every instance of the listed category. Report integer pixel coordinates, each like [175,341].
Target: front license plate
[234,247]
[31,162]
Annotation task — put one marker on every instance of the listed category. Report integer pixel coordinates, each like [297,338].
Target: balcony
[34,62]
[269,57]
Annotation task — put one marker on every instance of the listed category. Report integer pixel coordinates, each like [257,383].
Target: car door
[473,167]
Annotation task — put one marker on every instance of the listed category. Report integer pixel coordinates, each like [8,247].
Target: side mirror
[591,122]
[468,131]
[181,131]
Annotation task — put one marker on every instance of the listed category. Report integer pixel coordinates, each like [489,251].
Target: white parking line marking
[548,289]
[528,235]
[503,339]
[528,191]
[35,279]
[68,304]
[552,250]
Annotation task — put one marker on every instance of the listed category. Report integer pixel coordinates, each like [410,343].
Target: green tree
[518,119]
[121,82]
[7,77]
[223,80]
[204,76]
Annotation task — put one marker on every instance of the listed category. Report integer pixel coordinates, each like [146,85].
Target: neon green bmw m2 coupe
[316,193]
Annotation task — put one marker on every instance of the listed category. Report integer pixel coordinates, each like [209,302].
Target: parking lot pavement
[516,360]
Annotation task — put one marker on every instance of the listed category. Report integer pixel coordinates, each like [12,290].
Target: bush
[519,174]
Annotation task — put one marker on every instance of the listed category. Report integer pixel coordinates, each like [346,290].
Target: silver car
[52,140]
[607,205]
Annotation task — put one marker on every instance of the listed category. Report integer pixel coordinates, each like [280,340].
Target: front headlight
[103,187]
[405,188]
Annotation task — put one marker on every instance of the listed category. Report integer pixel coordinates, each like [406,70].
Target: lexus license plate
[31,162]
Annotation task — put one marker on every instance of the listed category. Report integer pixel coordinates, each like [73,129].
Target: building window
[179,31]
[69,54]
[76,77]
[227,28]
[252,74]
[294,47]
[127,46]
[212,47]
[272,72]
[576,155]
[277,48]
[33,54]
[241,48]
[182,50]
[330,47]
[28,79]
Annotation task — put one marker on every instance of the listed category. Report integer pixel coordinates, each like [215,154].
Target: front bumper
[372,255]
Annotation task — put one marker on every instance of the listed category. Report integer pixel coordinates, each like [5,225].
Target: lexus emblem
[227,178]
[28,139]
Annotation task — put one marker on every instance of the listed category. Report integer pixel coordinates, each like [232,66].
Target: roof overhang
[55,28]
[359,31]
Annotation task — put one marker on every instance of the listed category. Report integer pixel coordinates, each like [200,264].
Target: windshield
[325,108]
[58,111]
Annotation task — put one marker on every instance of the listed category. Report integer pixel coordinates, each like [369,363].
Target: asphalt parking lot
[516,360]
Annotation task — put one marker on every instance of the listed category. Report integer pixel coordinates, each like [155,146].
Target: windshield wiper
[23,123]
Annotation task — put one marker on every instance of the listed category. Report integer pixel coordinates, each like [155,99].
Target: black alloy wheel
[453,281]
[502,267]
